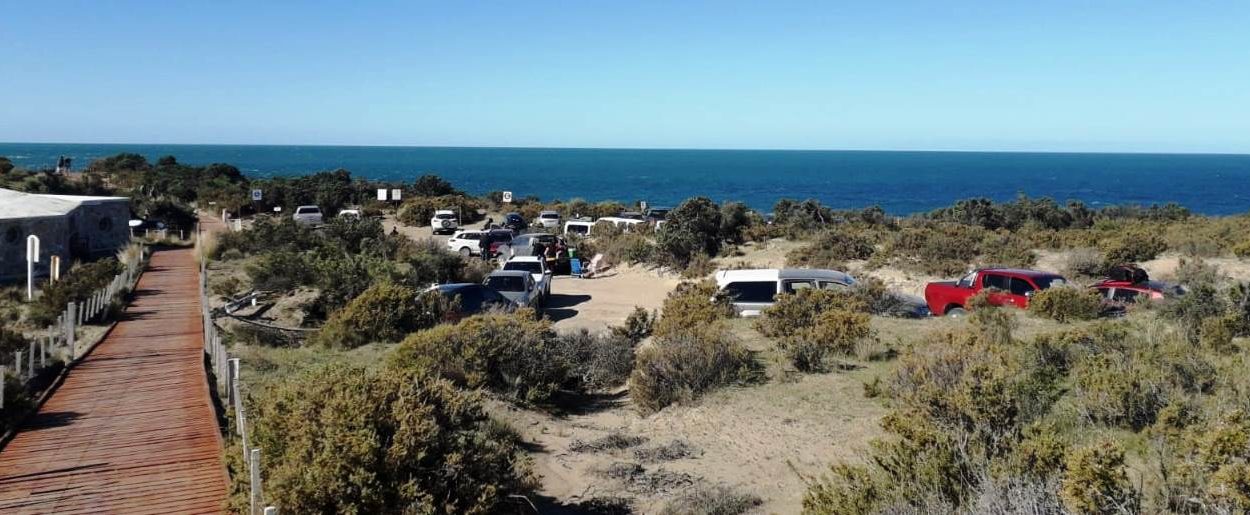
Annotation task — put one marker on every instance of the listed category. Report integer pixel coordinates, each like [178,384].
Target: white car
[537,267]
[547,220]
[466,243]
[310,215]
[579,228]
[444,220]
[752,291]
[350,213]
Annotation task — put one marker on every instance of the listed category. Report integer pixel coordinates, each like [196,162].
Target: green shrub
[1066,304]
[340,439]
[1096,481]
[511,354]
[791,314]
[682,366]
[352,234]
[417,211]
[1133,247]
[692,228]
[1217,333]
[845,489]
[831,249]
[1007,250]
[939,249]
[12,341]
[383,313]
[76,286]
[690,306]
[1242,249]
[279,271]
[835,331]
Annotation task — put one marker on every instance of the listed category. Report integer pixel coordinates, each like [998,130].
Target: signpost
[381,193]
[256,195]
[32,257]
[507,197]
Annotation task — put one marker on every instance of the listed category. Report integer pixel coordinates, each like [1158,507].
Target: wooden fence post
[232,378]
[30,361]
[17,365]
[254,466]
[3,382]
[43,352]
[69,331]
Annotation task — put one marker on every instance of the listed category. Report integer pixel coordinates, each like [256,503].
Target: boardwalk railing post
[17,365]
[30,361]
[69,332]
[254,467]
[232,380]
[3,382]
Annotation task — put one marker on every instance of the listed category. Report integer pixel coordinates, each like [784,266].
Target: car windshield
[309,210]
[549,215]
[1050,281]
[506,282]
[579,229]
[444,216]
[532,267]
[469,236]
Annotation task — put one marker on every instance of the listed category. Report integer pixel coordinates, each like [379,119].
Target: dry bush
[681,366]
[1132,247]
[637,326]
[1065,304]
[715,500]
[791,314]
[1084,262]
[340,439]
[594,361]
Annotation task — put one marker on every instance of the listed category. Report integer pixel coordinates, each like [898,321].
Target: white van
[579,228]
[752,291]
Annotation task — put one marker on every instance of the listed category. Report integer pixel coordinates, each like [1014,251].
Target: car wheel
[465,251]
[956,312]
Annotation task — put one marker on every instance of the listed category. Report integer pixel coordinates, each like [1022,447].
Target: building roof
[16,205]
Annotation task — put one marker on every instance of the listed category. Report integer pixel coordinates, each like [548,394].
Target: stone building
[70,226]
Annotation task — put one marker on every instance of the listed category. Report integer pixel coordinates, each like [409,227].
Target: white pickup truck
[310,215]
[537,267]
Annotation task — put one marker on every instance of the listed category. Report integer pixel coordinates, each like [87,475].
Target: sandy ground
[597,303]
[760,439]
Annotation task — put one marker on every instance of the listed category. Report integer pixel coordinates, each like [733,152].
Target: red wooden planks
[132,429]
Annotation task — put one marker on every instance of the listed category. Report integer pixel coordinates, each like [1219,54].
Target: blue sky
[1004,75]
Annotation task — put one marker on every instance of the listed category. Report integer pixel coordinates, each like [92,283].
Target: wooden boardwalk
[132,429]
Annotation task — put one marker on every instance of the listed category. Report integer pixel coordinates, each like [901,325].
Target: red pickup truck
[1008,287]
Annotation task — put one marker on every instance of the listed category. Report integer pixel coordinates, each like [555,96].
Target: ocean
[900,182]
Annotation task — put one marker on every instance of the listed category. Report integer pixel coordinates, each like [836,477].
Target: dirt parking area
[597,303]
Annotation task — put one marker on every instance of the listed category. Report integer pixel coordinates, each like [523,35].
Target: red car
[1125,292]
[1009,287]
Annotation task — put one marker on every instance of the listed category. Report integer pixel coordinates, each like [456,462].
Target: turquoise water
[900,182]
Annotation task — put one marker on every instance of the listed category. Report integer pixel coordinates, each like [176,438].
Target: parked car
[536,266]
[1125,292]
[523,245]
[350,213]
[752,291]
[517,286]
[308,215]
[473,298]
[1008,287]
[514,222]
[657,214]
[547,220]
[469,243]
[578,227]
[444,221]
[625,224]
[632,215]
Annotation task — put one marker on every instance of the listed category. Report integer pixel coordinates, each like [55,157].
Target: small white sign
[256,195]
[381,193]
[395,194]
[507,197]
[642,206]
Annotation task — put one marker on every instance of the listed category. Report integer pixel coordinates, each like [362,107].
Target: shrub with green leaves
[1066,304]
[81,281]
[342,439]
[831,250]
[681,366]
[692,228]
[834,332]
[1096,481]
[637,326]
[383,313]
[1132,247]
[511,354]
[692,305]
[792,313]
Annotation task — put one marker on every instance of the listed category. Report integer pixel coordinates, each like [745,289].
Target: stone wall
[53,233]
